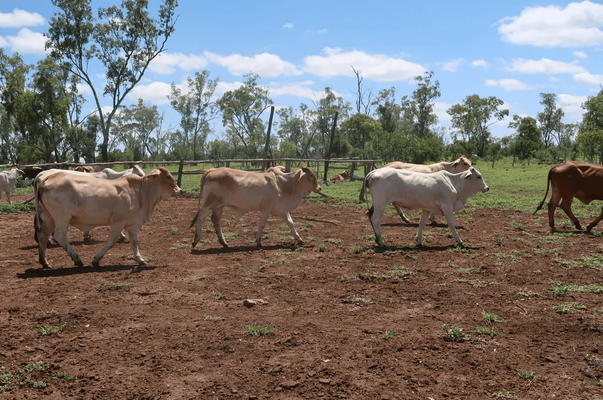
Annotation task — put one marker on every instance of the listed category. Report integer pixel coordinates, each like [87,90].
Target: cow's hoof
[224,244]
[79,263]
[259,245]
[142,262]
[96,263]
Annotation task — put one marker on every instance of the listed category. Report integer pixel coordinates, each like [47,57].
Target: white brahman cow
[442,192]
[273,192]
[78,199]
[459,165]
[8,180]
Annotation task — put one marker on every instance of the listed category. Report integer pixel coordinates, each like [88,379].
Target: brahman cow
[341,176]
[273,192]
[78,199]
[106,173]
[84,168]
[570,179]
[441,192]
[460,165]
[8,180]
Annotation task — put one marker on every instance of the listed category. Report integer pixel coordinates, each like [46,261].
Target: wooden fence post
[180,166]
[330,147]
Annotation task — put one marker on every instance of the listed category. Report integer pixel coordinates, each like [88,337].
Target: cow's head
[17,172]
[164,183]
[309,178]
[475,180]
[461,164]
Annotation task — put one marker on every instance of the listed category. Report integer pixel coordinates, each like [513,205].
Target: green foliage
[455,333]
[36,375]
[527,375]
[50,330]
[258,330]
[388,334]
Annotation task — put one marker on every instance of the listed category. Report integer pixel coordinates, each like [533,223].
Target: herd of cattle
[125,200]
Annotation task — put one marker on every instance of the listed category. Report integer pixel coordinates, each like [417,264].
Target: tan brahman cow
[273,192]
[79,199]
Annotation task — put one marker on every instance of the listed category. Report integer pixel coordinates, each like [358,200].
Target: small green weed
[568,308]
[322,247]
[388,334]
[210,318]
[125,286]
[218,296]
[504,394]
[457,334]
[50,330]
[527,375]
[258,330]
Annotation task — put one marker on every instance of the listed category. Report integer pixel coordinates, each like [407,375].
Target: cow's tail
[194,221]
[548,182]
[38,218]
[365,187]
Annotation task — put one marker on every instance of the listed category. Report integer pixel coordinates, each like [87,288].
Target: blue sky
[513,50]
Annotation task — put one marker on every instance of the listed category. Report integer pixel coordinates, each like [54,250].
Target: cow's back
[426,169]
[242,190]
[576,179]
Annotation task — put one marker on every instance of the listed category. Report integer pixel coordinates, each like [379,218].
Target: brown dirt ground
[329,310]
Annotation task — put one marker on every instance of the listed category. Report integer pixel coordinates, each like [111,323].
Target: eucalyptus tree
[471,120]
[528,138]
[138,129]
[550,119]
[325,110]
[196,110]
[123,39]
[296,131]
[590,134]
[13,77]
[419,108]
[242,109]
[387,110]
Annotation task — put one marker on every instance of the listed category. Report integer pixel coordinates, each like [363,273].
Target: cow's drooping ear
[305,169]
[454,164]
[468,173]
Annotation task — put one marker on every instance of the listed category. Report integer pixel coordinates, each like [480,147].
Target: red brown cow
[273,192]
[570,179]
[341,177]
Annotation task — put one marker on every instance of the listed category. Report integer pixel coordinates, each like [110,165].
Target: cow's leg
[87,235]
[375,213]
[289,222]
[432,218]
[8,196]
[43,231]
[113,236]
[133,236]
[595,222]
[401,214]
[422,223]
[449,214]
[264,214]
[216,220]
[553,202]
[60,235]
[198,222]
[566,205]
[122,237]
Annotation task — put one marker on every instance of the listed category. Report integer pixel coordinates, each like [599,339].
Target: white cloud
[439,108]
[480,63]
[580,54]
[545,66]
[19,18]
[508,84]
[573,26]
[371,66]
[3,42]
[322,31]
[589,79]
[288,25]
[299,89]
[265,65]
[155,93]
[451,66]
[223,87]
[166,63]
[27,42]
[571,104]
